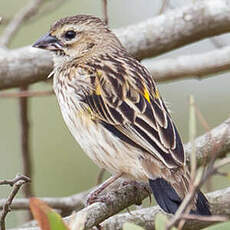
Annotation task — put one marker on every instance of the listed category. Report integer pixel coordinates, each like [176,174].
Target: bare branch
[18,19]
[201,177]
[204,218]
[164,6]
[32,65]
[27,93]
[65,204]
[17,182]
[105,11]
[25,142]
[220,205]
[152,37]
[204,146]
[191,66]
[176,28]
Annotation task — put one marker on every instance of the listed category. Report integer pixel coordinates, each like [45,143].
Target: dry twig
[17,182]
[201,177]
[27,93]
[105,11]
[220,205]
[164,6]
[25,142]
[220,133]
[152,37]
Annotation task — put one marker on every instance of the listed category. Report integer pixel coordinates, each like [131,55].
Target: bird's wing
[128,104]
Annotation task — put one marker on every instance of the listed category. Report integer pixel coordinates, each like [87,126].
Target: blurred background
[60,168]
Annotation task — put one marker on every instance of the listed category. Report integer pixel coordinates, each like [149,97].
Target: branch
[154,36]
[191,66]
[14,181]
[207,143]
[204,146]
[27,93]
[65,204]
[17,182]
[25,142]
[105,11]
[220,205]
[176,28]
[24,66]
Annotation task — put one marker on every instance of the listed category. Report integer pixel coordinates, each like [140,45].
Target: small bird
[113,108]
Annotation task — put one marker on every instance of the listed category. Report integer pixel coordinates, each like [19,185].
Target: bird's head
[77,36]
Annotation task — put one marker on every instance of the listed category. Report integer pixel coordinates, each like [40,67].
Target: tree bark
[152,37]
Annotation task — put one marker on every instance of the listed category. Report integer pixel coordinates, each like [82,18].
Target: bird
[113,108]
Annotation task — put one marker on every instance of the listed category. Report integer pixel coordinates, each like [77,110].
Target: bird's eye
[70,34]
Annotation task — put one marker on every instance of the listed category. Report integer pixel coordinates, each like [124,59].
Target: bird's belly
[105,149]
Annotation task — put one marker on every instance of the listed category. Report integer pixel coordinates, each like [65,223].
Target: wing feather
[136,114]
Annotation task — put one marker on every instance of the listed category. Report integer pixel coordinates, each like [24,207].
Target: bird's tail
[169,194]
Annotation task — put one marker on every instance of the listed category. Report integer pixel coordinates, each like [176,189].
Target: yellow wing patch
[146,95]
[98,89]
[157,94]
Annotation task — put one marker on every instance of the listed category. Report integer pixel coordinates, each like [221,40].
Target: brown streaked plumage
[113,108]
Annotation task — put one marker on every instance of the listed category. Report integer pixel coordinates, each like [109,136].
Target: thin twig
[18,19]
[17,182]
[214,218]
[105,11]
[13,181]
[202,176]
[200,180]
[204,123]
[25,142]
[27,93]
[202,119]
[218,133]
[164,6]
[145,217]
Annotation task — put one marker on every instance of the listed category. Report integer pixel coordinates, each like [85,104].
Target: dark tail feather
[169,200]
[202,205]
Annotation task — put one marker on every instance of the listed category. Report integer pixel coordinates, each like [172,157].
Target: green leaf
[46,217]
[131,226]
[55,221]
[221,226]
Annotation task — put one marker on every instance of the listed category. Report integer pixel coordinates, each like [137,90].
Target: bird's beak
[48,42]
